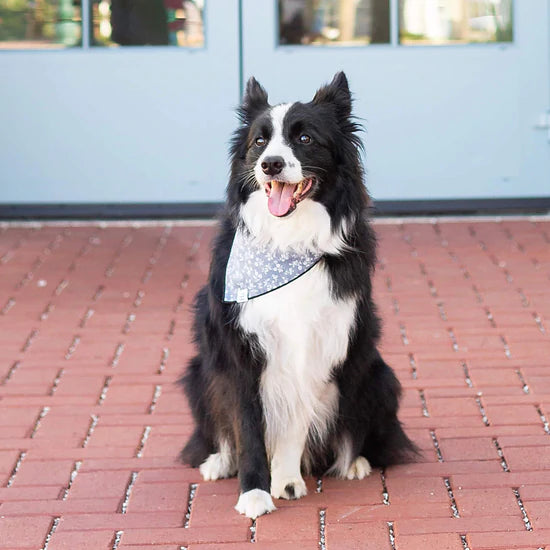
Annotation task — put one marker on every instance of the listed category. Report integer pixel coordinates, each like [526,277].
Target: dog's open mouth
[283,196]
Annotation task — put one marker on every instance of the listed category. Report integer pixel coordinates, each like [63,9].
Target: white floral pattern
[255,268]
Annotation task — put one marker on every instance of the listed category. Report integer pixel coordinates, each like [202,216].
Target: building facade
[126,102]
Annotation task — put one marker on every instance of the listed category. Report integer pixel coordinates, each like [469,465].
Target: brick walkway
[94,329]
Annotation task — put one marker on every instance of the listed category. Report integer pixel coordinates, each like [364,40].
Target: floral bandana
[254,269]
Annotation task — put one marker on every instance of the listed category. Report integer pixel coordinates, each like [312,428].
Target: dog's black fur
[222,382]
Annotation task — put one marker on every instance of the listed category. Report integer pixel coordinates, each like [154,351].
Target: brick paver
[94,331]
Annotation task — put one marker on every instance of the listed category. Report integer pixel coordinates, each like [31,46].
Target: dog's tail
[388,444]
[199,446]
[394,447]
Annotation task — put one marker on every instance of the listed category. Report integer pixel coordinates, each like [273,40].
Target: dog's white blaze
[278,147]
[308,227]
[304,333]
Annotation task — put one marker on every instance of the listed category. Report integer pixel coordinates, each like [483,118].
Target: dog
[287,380]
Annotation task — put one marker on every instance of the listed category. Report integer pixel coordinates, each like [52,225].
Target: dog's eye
[305,139]
[260,141]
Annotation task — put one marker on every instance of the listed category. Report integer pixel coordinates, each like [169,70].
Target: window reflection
[455,21]
[34,24]
[338,22]
[148,22]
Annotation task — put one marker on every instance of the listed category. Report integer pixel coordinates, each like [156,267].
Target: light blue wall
[152,124]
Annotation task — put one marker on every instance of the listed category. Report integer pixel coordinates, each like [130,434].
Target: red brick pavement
[94,330]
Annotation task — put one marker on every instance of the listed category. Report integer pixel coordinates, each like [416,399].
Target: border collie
[287,380]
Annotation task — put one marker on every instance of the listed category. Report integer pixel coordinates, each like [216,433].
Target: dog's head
[295,152]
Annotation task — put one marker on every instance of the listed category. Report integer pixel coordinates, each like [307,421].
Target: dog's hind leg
[359,469]
[348,465]
[219,465]
[197,449]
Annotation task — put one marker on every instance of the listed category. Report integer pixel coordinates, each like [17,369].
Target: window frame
[394,36]
[86,35]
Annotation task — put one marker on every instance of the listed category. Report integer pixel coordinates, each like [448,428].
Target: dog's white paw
[359,468]
[287,487]
[255,503]
[217,466]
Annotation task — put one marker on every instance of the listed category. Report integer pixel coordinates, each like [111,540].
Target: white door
[97,123]
[453,93]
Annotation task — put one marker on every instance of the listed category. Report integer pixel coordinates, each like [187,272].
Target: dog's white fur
[308,227]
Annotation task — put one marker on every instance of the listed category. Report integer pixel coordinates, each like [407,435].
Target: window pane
[455,21]
[338,22]
[148,23]
[40,24]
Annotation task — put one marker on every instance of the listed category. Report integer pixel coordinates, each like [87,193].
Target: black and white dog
[287,380]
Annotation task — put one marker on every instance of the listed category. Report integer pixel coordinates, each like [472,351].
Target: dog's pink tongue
[280,198]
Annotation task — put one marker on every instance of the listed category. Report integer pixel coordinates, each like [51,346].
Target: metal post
[241,51]
[394,22]
[86,13]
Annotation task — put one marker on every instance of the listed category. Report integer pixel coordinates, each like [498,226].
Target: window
[148,22]
[42,24]
[46,24]
[338,22]
[454,21]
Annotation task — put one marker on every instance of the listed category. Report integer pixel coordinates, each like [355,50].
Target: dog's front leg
[254,479]
[286,478]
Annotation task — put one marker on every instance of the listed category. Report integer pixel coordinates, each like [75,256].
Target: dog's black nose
[273,165]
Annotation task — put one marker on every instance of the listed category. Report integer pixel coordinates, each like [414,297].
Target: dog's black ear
[254,101]
[336,93]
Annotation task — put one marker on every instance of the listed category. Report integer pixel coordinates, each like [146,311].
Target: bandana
[254,269]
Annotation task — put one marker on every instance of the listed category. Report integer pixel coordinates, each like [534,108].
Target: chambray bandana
[254,269]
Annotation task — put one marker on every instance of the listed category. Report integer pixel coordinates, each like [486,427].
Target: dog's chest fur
[304,333]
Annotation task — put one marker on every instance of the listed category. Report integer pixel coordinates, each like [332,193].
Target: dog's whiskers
[247,177]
